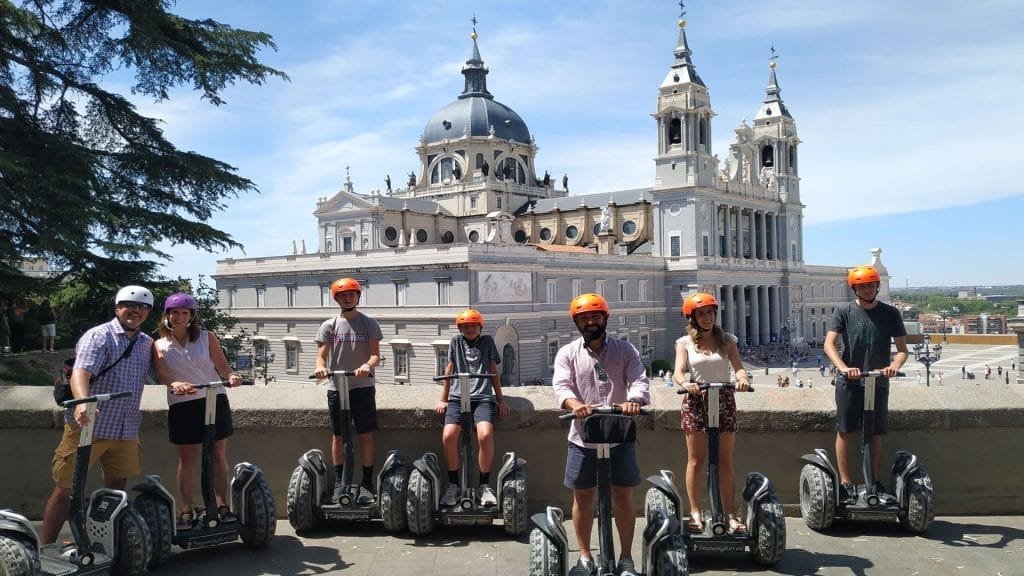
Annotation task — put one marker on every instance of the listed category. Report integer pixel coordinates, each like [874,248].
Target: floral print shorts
[694,415]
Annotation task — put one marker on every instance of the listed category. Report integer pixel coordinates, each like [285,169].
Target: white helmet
[134,294]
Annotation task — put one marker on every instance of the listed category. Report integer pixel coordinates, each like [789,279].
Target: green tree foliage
[85,180]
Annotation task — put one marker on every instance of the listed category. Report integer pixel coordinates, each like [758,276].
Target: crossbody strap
[127,352]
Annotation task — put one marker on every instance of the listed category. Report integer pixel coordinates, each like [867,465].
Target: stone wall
[965,435]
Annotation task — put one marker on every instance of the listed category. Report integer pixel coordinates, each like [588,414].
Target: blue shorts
[581,467]
[483,411]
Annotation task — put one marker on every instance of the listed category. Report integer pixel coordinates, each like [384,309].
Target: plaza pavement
[960,545]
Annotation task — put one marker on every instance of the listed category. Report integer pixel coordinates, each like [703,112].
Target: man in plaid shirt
[116,430]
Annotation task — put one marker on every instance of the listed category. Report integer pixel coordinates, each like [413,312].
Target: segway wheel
[131,558]
[817,497]
[513,503]
[670,560]
[420,504]
[299,503]
[261,520]
[18,558]
[156,514]
[770,538]
[920,503]
[393,492]
[545,559]
[658,500]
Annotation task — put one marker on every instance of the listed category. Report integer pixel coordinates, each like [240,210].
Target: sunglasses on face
[134,306]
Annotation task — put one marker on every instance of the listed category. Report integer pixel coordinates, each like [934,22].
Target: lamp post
[928,355]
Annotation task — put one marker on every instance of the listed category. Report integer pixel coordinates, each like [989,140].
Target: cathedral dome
[476,116]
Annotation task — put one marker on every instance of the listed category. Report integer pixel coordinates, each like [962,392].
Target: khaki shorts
[119,458]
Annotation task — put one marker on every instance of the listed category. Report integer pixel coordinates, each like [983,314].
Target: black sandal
[186,520]
[226,515]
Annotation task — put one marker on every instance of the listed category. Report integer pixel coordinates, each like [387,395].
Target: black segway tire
[299,502]
[156,514]
[131,558]
[657,500]
[18,558]
[513,503]
[920,503]
[261,519]
[770,537]
[393,492]
[670,560]
[817,497]
[420,504]
[544,557]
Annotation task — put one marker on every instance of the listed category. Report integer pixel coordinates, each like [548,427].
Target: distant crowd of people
[13,316]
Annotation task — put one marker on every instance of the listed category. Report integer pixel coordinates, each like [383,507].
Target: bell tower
[683,118]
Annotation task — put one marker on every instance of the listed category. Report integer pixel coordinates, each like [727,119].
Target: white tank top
[189,363]
[707,368]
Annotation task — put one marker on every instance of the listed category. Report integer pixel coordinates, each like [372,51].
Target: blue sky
[904,110]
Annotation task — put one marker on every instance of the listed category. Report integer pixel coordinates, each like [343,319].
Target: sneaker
[848,494]
[585,567]
[626,567]
[339,491]
[366,495]
[451,495]
[487,497]
[883,495]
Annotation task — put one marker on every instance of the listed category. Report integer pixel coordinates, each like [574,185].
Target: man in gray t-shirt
[351,341]
[865,327]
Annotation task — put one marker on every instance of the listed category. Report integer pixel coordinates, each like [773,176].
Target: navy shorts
[581,467]
[186,420]
[850,406]
[483,411]
[362,403]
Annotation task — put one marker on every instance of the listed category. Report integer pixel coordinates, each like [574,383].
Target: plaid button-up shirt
[100,347]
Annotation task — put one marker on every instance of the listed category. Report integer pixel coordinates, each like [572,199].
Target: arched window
[474,236]
[703,134]
[768,156]
[519,236]
[446,171]
[545,234]
[572,232]
[447,237]
[675,132]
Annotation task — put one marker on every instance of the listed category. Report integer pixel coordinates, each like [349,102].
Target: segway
[19,545]
[664,551]
[428,479]
[109,536]
[309,495]
[251,501]
[766,523]
[913,501]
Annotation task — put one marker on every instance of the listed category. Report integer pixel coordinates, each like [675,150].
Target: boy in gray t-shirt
[351,341]
[474,353]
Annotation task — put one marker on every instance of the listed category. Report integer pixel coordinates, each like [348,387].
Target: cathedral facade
[477,227]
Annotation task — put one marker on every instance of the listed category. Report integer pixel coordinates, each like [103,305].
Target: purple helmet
[180,300]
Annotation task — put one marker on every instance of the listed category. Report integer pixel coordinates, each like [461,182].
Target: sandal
[736,526]
[696,524]
[186,520]
[226,515]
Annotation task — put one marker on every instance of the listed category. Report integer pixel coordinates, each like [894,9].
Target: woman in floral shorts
[705,355]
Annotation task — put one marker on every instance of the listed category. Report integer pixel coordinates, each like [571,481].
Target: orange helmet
[698,300]
[343,285]
[862,275]
[588,303]
[469,316]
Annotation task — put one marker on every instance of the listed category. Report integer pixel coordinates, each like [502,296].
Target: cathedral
[477,227]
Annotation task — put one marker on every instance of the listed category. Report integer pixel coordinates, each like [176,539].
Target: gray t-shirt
[349,343]
[866,335]
[474,358]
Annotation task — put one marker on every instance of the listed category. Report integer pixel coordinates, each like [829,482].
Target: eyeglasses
[135,306]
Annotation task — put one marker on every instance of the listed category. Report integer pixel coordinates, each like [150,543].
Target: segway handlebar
[96,398]
[709,385]
[349,373]
[878,374]
[221,384]
[602,410]
[459,374]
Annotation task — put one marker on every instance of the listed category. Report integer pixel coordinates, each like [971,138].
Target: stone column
[1017,325]
[762,237]
[764,307]
[741,314]
[773,294]
[755,317]
[727,210]
[729,312]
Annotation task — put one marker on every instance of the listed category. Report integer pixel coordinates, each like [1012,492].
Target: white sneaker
[626,567]
[487,497]
[451,495]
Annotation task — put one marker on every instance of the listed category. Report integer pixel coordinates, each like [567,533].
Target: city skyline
[901,113]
